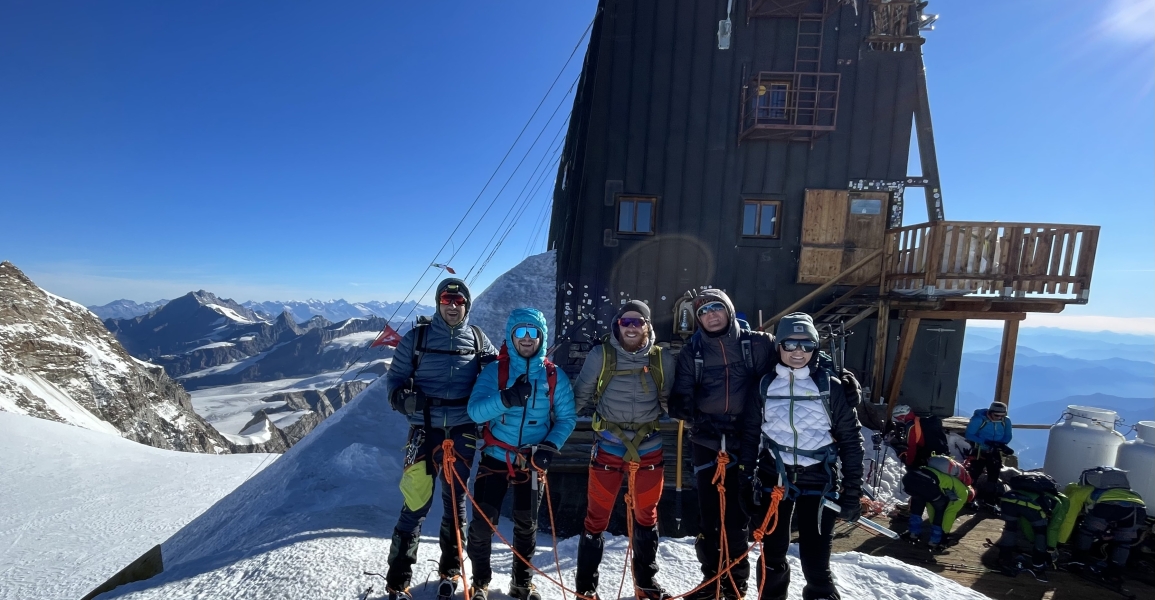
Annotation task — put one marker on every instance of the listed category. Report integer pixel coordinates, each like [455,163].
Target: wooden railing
[1010,260]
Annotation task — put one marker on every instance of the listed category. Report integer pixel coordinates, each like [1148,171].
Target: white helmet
[900,412]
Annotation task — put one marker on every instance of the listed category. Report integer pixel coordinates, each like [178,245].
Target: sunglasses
[803,345]
[522,331]
[632,322]
[710,307]
[452,299]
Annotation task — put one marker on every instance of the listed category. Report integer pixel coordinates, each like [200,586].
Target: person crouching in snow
[627,379]
[941,488]
[806,424]
[527,407]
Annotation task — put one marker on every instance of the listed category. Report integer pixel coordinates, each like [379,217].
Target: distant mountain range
[58,362]
[205,341]
[333,310]
[1055,368]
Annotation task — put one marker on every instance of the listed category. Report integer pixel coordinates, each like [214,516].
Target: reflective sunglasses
[710,307]
[803,345]
[522,331]
[632,322]
[449,299]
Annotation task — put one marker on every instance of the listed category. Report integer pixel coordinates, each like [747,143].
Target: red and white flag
[446,267]
[389,337]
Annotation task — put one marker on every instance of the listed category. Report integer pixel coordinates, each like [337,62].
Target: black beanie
[636,306]
[453,285]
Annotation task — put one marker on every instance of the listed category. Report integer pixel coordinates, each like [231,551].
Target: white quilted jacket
[795,423]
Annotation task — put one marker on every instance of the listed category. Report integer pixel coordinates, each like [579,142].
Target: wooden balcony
[794,106]
[1020,261]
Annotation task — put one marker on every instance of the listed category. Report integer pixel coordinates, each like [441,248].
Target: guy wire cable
[517,218]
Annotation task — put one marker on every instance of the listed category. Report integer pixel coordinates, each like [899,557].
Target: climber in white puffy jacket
[805,426]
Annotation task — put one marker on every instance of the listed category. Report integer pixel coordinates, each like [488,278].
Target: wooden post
[901,358]
[1007,361]
[881,330]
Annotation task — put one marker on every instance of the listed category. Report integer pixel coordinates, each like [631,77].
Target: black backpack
[1034,481]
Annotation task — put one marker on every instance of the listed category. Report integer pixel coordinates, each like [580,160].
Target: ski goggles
[637,322]
[523,331]
[451,299]
[803,345]
[710,307]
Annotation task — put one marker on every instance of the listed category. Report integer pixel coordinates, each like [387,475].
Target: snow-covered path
[78,505]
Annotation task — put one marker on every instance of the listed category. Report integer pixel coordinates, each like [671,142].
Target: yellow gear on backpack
[610,365]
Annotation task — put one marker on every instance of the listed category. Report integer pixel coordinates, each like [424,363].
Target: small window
[636,215]
[865,206]
[772,100]
[760,218]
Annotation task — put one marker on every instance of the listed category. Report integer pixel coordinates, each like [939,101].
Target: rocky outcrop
[59,362]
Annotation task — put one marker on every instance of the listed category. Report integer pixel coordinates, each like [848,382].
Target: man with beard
[433,372]
[717,369]
[624,385]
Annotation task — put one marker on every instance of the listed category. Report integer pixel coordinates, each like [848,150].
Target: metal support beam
[901,359]
[926,151]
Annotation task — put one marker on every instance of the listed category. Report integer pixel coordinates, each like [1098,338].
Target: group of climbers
[761,414]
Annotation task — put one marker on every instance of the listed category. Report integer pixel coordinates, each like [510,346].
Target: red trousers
[607,473]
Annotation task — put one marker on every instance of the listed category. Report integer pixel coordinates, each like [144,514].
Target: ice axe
[678,478]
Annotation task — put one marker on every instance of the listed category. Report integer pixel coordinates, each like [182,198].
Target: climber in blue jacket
[989,433]
[527,407]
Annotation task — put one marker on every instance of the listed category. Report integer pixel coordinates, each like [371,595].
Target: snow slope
[533,283]
[76,506]
[309,525]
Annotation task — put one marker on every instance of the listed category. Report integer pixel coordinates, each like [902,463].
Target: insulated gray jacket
[626,398]
[441,376]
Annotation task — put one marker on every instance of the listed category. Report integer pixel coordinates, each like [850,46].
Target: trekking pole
[678,478]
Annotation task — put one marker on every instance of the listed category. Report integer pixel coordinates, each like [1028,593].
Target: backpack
[1034,481]
[1105,478]
[948,466]
[610,365]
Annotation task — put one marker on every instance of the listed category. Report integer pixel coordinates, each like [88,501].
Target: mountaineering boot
[914,529]
[402,556]
[446,587]
[393,594]
[524,592]
[1007,559]
[646,561]
[589,557]
[479,592]
[654,591]
[935,541]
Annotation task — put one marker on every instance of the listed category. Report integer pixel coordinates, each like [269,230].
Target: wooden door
[839,228]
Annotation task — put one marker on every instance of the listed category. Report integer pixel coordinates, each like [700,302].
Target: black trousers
[1120,523]
[815,535]
[708,546]
[923,489]
[990,461]
[489,490]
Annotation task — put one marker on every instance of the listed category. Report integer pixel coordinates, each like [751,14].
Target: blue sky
[290,150]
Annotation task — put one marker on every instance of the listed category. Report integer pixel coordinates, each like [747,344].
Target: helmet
[901,412]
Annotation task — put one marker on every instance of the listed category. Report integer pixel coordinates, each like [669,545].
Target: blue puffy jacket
[523,427]
[983,431]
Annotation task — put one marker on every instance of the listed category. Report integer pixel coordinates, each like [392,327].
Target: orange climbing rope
[719,481]
[631,480]
[724,570]
[552,526]
[448,457]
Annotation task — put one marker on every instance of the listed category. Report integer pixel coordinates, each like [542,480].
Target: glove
[543,456]
[951,495]
[851,388]
[851,508]
[518,393]
[680,408]
[408,401]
